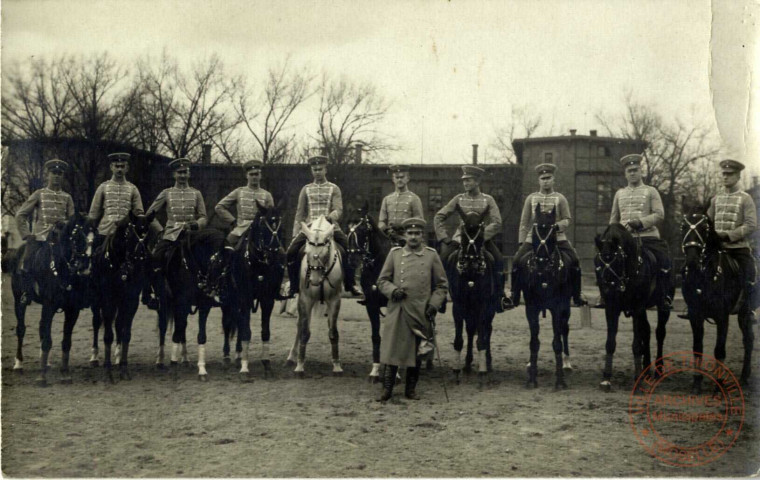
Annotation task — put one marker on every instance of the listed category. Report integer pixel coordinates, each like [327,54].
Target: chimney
[593,133]
[572,132]
[358,153]
[205,154]
[474,153]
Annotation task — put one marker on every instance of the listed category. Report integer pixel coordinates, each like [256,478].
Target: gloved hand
[636,224]
[29,238]
[430,311]
[398,295]
[193,226]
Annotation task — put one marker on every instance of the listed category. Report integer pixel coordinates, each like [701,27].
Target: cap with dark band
[731,166]
[413,223]
[471,171]
[398,168]
[632,159]
[56,165]
[546,168]
[119,157]
[179,163]
[318,160]
[252,165]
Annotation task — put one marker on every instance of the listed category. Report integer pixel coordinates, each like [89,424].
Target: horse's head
[264,239]
[75,238]
[135,231]
[320,251]
[544,233]
[361,229]
[615,250]
[472,227]
[697,234]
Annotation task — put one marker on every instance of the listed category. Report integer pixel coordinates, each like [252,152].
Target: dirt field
[322,425]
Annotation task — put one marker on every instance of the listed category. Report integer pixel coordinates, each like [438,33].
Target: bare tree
[523,122]
[351,113]
[266,115]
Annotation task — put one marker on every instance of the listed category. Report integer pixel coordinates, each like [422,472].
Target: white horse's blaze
[375,370]
[175,352]
[202,360]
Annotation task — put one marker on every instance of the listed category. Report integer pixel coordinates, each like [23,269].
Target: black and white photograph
[432,238]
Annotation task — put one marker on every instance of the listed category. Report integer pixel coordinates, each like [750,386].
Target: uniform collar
[467,195]
[320,184]
[546,194]
[635,188]
[733,189]
[53,190]
[405,251]
[181,188]
[397,192]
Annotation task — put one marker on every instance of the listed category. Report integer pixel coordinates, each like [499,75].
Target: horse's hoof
[606,386]
[245,377]
[109,378]
[289,363]
[301,375]
[560,386]
[267,364]
[94,363]
[203,378]
[531,384]
[125,375]
[373,379]
[41,382]
[429,364]
[226,360]
[566,366]
[161,367]
[467,369]
[186,364]
[337,374]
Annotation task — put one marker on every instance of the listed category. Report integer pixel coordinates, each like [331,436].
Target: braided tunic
[52,206]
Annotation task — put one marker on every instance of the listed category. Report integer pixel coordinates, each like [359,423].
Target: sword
[431,318]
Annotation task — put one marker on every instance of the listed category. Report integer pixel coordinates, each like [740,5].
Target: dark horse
[545,280]
[186,267]
[61,269]
[472,294]
[256,268]
[121,268]
[627,277]
[369,246]
[712,287]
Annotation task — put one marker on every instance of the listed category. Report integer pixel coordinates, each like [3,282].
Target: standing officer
[52,205]
[415,283]
[114,198]
[735,218]
[548,199]
[244,200]
[185,210]
[399,205]
[473,200]
[638,207]
[319,198]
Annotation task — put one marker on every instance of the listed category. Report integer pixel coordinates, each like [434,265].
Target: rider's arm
[658,212]
[416,205]
[269,200]
[382,219]
[137,205]
[385,280]
[24,214]
[439,282]
[70,209]
[224,206]
[158,204]
[749,225]
[563,213]
[526,219]
[300,212]
[200,210]
[493,223]
[96,208]
[441,216]
[615,214]
[336,202]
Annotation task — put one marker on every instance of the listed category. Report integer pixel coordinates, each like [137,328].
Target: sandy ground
[322,425]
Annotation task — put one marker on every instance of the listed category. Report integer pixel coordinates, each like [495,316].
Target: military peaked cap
[546,168]
[179,163]
[632,159]
[252,165]
[414,223]
[398,168]
[731,166]
[56,165]
[471,171]
[318,160]
[119,157]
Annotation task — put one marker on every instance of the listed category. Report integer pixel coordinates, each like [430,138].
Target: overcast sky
[452,69]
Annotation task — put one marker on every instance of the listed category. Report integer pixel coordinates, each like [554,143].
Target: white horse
[321,281]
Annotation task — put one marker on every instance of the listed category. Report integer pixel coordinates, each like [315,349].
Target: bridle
[73,264]
[354,247]
[544,247]
[139,253]
[469,253]
[701,243]
[321,268]
[264,252]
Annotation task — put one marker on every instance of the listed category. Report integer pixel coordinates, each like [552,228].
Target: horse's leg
[108,314]
[697,346]
[638,342]
[70,319]
[304,317]
[202,318]
[124,327]
[489,331]
[720,341]
[46,342]
[97,321]
[266,305]
[163,324]
[178,335]
[564,326]
[244,339]
[748,339]
[333,307]
[20,308]
[293,353]
[226,328]
[373,311]
[456,311]
[558,315]
[646,336]
[482,345]
[662,320]
[612,316]
[532,313]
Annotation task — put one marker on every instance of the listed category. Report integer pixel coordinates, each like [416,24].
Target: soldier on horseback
[53,205]
[318,198]
[473,200]
[399,205]
[185,211]
[548,199]
[638,207]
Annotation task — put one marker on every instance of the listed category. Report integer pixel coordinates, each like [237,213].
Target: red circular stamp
[686,430]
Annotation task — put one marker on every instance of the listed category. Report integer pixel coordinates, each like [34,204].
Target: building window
[603,151]
[435,198]
[375,199]
[603,196]
[548,157]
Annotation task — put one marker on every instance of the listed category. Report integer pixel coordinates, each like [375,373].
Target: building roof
[519,143]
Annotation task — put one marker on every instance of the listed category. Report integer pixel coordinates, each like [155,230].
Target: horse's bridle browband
[702,243]
[621,280]
[273,245]
[542,240]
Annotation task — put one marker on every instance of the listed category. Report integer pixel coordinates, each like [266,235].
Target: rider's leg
[26,269]
[743,257]
[574,271]
[294,265]
[446,250]
[349,282]
[498,274]
[519,259]
[659,249]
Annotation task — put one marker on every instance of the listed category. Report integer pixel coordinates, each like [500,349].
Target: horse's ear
[598,242]
[281,204]
[306,231]
[261,207]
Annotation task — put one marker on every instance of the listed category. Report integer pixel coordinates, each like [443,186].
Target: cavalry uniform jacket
[52,206]
[422,277]
[477,204]
[548,202]
[112,202]
[244,200]
[182,205]
[643,203]
[397,207]
[318,199]
[733,212]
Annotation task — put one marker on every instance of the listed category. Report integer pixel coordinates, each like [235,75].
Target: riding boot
[148,298]
[349,282]
[502,303]
[514,298]
[666,289]
[27,289]
[412,376]
[294,268]
[389,380]
[575,280]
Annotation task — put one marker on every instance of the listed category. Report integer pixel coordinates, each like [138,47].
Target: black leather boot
[575,279]
[412,376]
[294,268]
[389,380]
